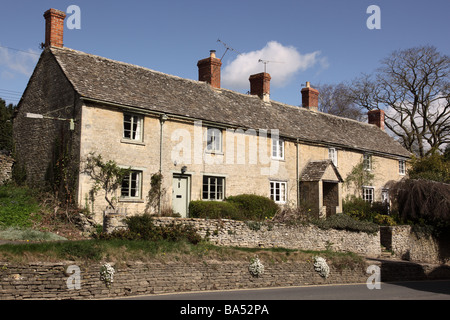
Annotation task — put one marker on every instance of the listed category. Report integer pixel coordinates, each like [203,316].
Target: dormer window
[277,149]
[332,155]
[367,162]
[132,127]
[214,140]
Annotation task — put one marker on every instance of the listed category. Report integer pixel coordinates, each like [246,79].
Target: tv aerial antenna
[227,48]
[266,62]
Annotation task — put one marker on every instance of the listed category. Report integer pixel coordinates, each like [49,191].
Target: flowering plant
[256,268]
[107,274]
[321,266]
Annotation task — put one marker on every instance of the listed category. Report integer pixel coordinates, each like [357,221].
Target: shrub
[342,221]
[214,210]
[142,228]
[254,207]
[359,209]
[242,207]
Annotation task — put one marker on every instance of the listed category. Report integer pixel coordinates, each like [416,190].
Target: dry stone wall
[270,235]
[6,164]
[56,281]
[410,246]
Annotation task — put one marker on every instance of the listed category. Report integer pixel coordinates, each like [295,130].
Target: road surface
[412,290]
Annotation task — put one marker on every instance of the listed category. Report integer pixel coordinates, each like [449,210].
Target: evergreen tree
[6,128]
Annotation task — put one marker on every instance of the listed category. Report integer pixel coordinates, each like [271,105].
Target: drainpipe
[162,119]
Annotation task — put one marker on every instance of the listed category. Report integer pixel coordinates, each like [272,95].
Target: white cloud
[284,63]
[17,62]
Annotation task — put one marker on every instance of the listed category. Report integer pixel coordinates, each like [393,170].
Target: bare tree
[413,87]
[336,99]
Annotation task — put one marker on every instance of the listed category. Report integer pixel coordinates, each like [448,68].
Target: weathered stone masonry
[268,235]
[49,280]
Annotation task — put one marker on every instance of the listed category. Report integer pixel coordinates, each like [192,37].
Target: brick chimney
[260,85]
[376,117]
[209,70]
[310,98]
[54,28]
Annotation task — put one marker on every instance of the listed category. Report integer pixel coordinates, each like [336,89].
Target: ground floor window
[278,191]
[368,194]
[131,185]
[213,188]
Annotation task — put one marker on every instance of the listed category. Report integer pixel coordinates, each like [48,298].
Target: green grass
[122,251]
[17,204]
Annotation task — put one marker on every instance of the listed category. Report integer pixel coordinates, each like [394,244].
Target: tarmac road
[411,290]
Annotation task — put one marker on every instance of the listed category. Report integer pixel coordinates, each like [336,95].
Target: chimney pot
[260,85]
[209,70]
[376,117]
[54,28]
[310,98]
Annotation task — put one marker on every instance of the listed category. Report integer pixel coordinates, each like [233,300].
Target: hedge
[241,207]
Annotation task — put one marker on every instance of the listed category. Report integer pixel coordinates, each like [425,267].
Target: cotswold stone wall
[6,164]
[49,280]
[269,235]
[410,246]
[58,281]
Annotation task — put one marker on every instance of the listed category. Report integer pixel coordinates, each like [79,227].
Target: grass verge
[119,251]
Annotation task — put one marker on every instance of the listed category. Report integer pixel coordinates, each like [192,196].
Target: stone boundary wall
[50,280]
[268,235]
[6,164]
[407,245]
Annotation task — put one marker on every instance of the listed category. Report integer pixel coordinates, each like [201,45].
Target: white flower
[321,266]
[256,268]
[107,274]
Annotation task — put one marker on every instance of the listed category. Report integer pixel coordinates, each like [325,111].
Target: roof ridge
[123,63]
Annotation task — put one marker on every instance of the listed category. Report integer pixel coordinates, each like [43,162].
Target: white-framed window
[214,140]
[368,194]
[402,167]
[132,127]
[367,162]
[278,191]
[277,149]
[332,155]
[132,185]
[213,188]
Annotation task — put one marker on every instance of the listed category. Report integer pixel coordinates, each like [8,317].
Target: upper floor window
[332,155]
[277,149]
[132,127]
[367,162]
[402,167]
[214,140]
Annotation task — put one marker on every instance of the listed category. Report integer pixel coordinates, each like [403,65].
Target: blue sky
[321,41]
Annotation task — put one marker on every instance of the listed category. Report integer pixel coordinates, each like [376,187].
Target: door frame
[188,190]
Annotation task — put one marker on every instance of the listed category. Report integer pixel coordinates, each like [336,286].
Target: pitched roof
[321,170]
[120,83]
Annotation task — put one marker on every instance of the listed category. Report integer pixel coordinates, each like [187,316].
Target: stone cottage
[206,141]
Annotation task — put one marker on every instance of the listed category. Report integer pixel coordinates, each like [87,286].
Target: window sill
[219,153]
[129,141]
[131,200]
